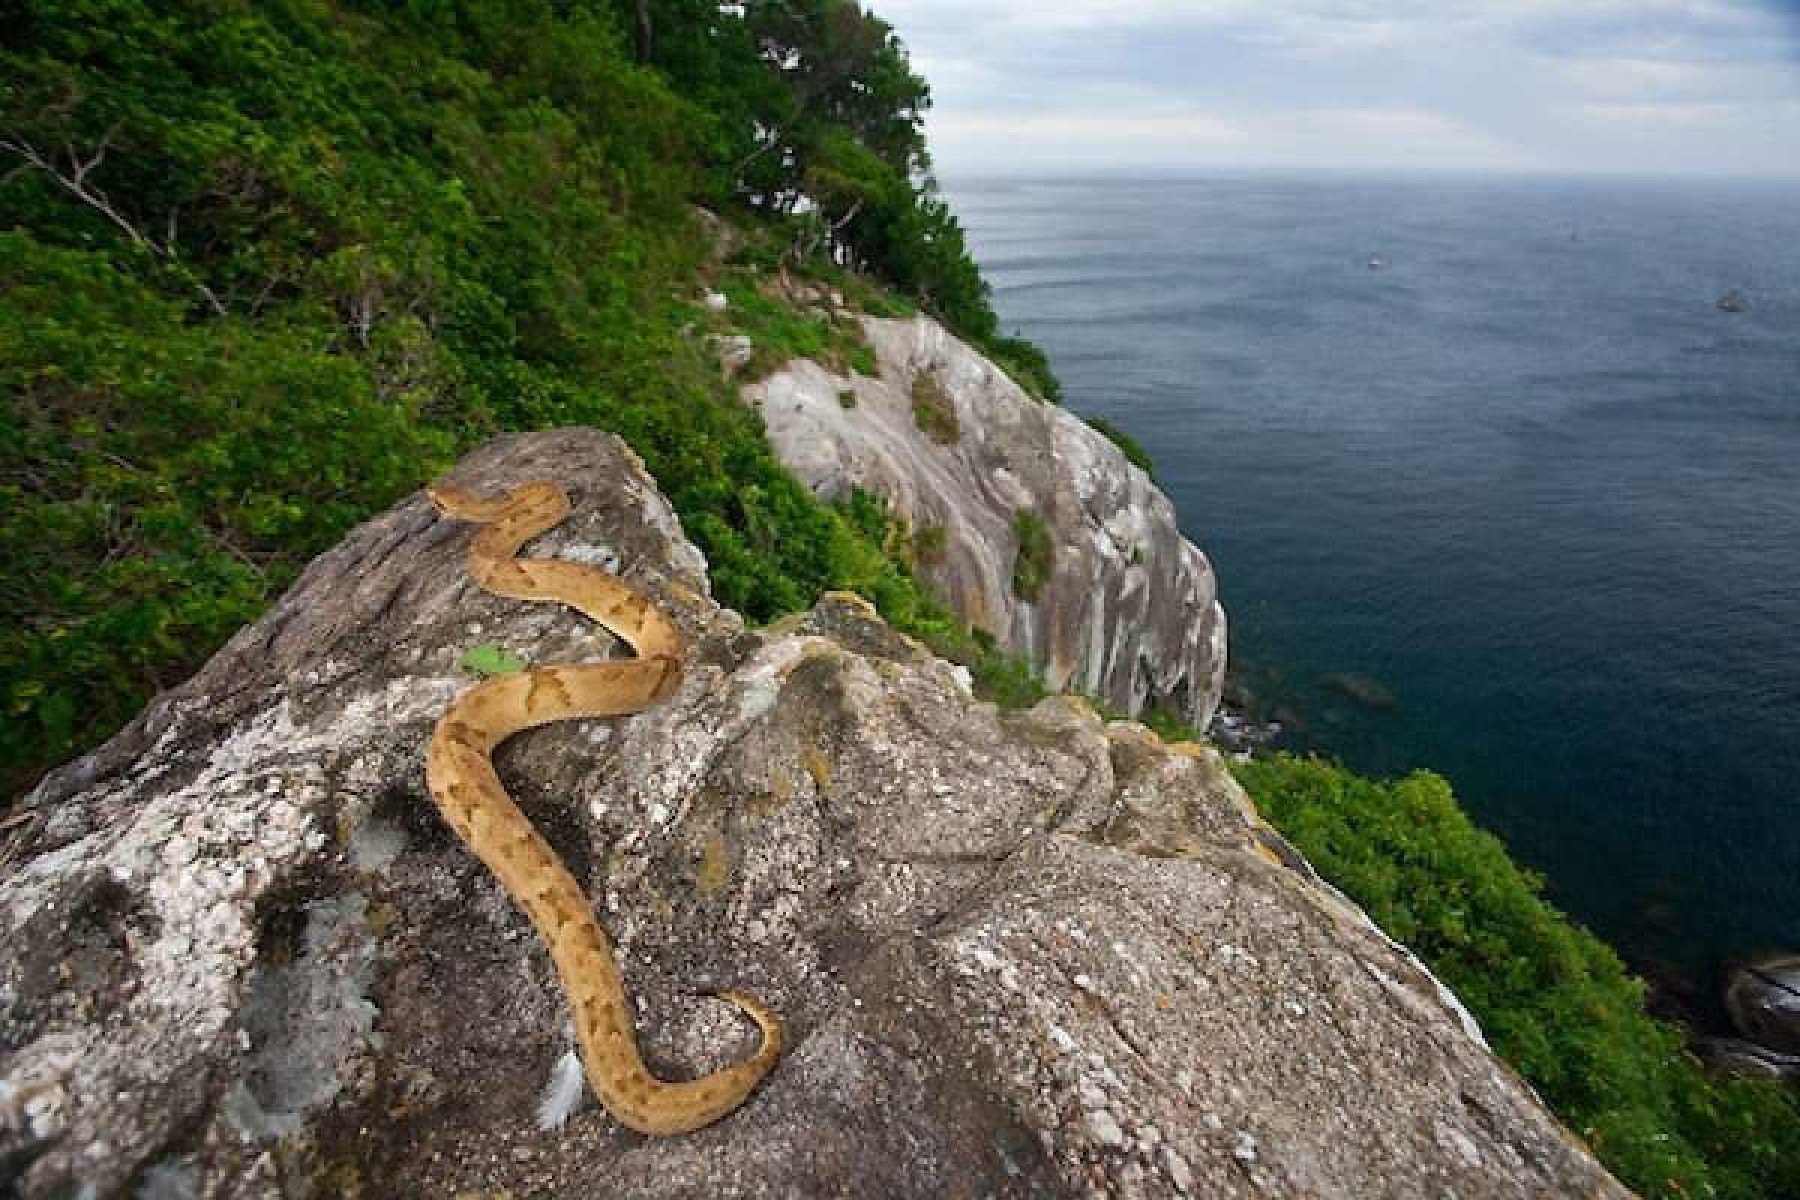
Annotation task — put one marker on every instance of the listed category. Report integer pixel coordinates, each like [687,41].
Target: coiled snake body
[460,774]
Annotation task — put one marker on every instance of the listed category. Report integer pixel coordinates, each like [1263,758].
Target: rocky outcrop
[1743,1059]
[1127,609]
[1763,998]
[1027,954]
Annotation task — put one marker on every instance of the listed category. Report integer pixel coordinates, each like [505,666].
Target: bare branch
[848,217]
[26,151]
[737,173]
[83,169]
[75,183]
[76,186]
[262,297]
[212,298]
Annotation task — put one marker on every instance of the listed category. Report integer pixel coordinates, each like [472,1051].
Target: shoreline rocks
[1763,998]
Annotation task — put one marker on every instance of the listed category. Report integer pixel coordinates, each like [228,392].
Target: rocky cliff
[1127,608]
[1026,954]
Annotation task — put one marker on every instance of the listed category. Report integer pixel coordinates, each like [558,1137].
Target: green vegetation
[780,331]
[1036,557]
[816,123]
[267,268]
[488,659]
[1552,998]
[161,478]
[1007,681]
[1134,452]
[1027,365]
[930,544]
[933,409]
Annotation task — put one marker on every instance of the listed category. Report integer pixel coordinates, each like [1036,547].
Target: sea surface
[1522,481]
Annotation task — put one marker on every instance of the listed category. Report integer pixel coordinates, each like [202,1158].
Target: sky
[1708,87]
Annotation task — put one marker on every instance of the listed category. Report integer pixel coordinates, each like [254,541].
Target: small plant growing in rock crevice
[930,544]
[1036,557]
[934,410]
[846,398]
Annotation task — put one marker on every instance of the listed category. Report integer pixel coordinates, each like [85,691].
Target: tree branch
[75,182]
[848,217]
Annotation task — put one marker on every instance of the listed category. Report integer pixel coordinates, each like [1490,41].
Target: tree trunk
[643,32]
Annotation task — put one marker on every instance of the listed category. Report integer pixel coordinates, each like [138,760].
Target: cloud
[1659,114]
[1637,76]
[1062,128]
[1505,83]
[1071,138]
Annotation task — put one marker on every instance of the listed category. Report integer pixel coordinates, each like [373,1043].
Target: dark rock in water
[1365,691]
[1734,301]
[1240,733]
[1740,1059]
[1242,725]
[1763,998]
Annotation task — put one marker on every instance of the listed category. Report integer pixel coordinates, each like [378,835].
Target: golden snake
[460,773]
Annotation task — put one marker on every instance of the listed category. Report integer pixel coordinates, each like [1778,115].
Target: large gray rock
[1018,954]
[1763,998]
[1129,612]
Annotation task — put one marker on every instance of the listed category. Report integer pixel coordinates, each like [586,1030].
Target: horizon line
[1045,173]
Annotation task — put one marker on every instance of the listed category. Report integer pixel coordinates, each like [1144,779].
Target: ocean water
[1526,477]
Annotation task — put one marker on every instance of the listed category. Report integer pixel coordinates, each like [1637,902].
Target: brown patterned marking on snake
[460,775]
[541,680]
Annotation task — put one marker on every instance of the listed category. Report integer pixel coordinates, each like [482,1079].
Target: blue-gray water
[1528,477]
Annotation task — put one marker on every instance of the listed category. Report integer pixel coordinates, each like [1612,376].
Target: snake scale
[459,771]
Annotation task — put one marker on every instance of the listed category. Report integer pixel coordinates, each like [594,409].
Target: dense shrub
[817,121]
[1036,555]
[160,479]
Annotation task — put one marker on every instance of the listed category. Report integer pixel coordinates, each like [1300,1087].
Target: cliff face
[1127,609]
[1017,954]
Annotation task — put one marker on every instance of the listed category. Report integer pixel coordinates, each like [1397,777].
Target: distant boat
[1376,262]
[1734,301]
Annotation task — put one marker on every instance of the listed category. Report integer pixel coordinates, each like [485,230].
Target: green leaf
[490,659]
